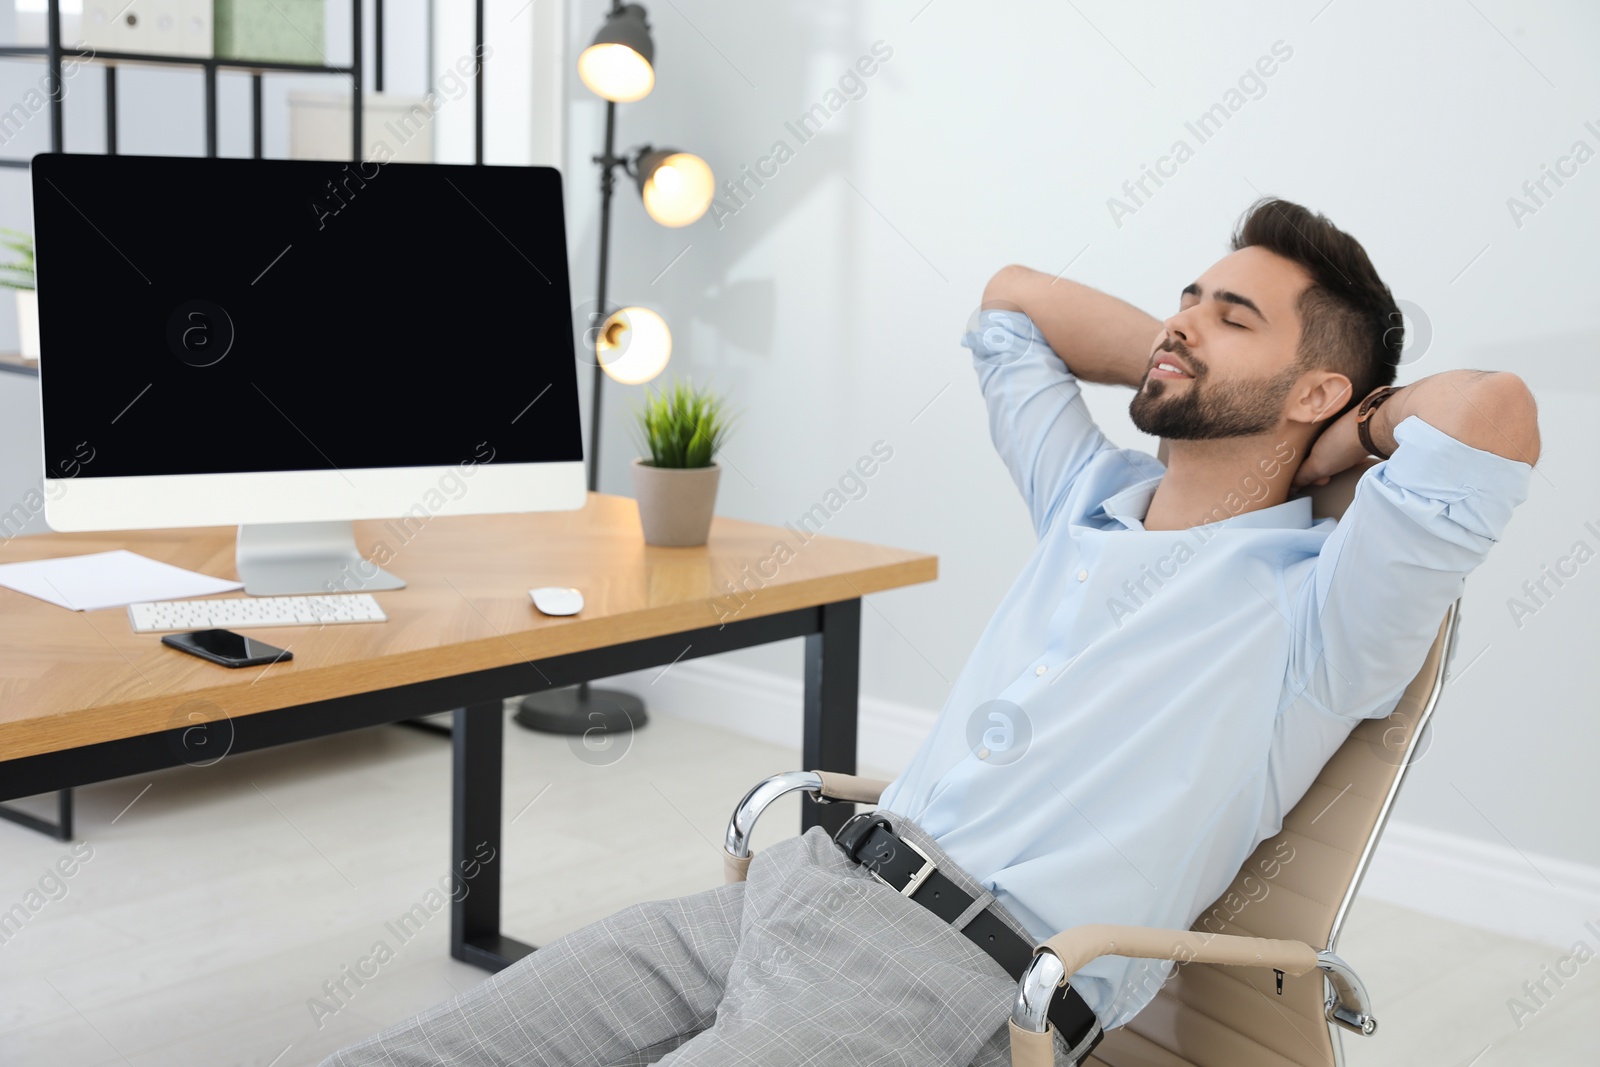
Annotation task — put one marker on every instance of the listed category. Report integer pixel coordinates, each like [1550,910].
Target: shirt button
[1040,669]
[1083,576]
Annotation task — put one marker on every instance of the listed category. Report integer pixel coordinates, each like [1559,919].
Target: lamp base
[577,709]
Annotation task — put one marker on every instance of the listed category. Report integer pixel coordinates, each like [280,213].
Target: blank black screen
[222,643]
[204,316]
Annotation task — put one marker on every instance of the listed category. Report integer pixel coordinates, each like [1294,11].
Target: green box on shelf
[278,31]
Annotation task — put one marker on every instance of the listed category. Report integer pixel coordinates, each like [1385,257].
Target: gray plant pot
[675,503]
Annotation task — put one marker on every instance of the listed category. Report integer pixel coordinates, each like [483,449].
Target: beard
[1205,411]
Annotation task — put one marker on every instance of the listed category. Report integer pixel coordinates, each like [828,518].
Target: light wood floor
[213,909]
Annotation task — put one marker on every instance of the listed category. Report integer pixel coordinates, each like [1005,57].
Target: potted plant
[20,277]
[676,484]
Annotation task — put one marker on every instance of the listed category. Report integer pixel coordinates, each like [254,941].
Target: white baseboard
[1484,884]
[1478,883]
[767,707]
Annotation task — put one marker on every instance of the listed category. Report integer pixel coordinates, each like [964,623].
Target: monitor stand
[291,558]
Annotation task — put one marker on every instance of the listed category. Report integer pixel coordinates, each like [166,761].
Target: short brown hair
[1349,322]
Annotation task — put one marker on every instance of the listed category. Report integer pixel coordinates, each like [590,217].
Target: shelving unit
[54,53]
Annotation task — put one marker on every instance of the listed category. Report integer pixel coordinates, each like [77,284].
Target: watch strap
[1364,415]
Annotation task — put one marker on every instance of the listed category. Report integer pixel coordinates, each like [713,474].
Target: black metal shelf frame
[54,53]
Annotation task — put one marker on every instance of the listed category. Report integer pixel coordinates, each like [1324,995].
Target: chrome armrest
[823,786]
[743,823]
[1347,1006]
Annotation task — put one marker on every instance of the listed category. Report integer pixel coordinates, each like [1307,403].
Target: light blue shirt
[1145,706]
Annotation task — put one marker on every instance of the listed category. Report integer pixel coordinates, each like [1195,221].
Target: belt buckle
[915,881]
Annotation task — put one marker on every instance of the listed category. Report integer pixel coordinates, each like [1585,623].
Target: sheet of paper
[108,580]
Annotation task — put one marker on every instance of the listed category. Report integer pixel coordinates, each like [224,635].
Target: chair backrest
[1297,885]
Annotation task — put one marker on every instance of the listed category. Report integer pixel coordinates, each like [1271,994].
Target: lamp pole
[581,710]
[617,67]
[608,181]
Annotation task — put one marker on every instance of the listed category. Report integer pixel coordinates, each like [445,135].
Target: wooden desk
[84,699]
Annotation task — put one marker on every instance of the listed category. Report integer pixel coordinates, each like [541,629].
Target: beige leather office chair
[1222,1008]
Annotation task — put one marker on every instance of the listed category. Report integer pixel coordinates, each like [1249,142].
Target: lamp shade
[618,65]
[634,345]
[677,187]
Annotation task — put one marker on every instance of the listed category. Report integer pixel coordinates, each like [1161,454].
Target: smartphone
[227,648]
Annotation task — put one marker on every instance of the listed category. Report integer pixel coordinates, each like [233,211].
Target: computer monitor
[288,345]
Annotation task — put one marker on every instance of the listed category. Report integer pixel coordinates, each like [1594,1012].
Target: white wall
[831,303]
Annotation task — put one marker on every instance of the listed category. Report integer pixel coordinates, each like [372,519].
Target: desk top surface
[70,678]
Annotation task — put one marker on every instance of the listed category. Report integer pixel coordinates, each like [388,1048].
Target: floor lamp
[630,345]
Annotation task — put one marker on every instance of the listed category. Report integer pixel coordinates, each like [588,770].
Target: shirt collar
[1131,505]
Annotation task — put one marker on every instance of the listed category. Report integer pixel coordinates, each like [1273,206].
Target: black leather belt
[868,839]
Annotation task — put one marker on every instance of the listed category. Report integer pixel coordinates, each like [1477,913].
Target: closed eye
[1241,325]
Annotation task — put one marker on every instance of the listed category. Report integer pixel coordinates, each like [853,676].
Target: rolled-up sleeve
[1419,523]
[1037,418]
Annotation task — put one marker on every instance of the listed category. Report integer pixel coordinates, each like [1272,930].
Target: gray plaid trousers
[811,960]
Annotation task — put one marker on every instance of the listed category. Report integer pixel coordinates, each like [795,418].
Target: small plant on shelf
[18,275]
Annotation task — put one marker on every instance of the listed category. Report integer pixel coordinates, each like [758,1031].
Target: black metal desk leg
[833,687]
[475,846]
[61,829]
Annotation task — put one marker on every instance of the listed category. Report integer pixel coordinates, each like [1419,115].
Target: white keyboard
[229,613]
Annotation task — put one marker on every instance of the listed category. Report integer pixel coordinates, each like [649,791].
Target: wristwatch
[1364,416]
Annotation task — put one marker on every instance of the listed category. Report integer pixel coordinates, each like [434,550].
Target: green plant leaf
[23,269]
[681,426]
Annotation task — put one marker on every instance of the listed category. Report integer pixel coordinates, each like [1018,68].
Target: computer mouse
[557,599]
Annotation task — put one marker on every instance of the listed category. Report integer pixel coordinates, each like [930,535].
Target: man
[1183,651]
